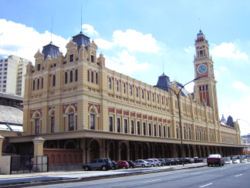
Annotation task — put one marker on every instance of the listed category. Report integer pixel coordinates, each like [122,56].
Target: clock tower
[205,87]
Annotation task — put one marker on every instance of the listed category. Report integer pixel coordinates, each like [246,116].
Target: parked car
[156,161]
[131,164]
[197,159]
[123,164]
[163,162]
[98,164]
[114,165]
[215,159]
[152,162]
[142,163]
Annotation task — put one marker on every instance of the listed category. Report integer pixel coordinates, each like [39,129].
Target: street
[231,175]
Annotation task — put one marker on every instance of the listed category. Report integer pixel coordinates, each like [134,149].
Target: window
[37,126]
[158,99]
[88,76]
[160,131]
[111,124]
[71,58]
[54,80]
[162,100]
[66,77]
[149,129]
[52,124]
[125,125]
[168,132]
[92,76]
[110,86]
[96,78]
[130,90]
[190,134]
[92,121]
[137,91]
[177,132]
[71,122]
[153,97]
[71,76]
[76,75]
[164,131]
[42,83]
[117,85]
[38,67]
[118,125]
[92,58]
[132,127]
[138,128]
[144,128]
[155,130]
[142,93]
[148,95]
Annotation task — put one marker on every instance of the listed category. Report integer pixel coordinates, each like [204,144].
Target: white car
[142,163]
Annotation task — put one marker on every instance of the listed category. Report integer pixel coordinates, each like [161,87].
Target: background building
[12,72]
[84,110]
[246,141]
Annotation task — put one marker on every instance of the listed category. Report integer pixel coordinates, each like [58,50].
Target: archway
[123,151]
[179,150]
[145,151]
[94,150]
[132,151]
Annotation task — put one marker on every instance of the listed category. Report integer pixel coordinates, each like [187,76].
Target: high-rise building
[12,72]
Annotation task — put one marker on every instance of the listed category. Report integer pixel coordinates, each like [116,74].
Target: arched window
[117,85]
[71,76]
[92,76]
[118,125]
[65,77]
[132,127]
[71,121]
[138,128]
[110,123]
[96,78]
[149,129]
[137,91]
[52,124]
[37,126]
[110,86]
[155,130]
[54,80]
[125,126]
[160,131]
[38,83]
[130,90]
[144,128]
[124,88]
[34,84]
[142,93]
[92,121]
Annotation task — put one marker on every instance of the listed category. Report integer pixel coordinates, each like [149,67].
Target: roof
[200,33]
[80,40]
[11,115]
[163,82]
[50,50]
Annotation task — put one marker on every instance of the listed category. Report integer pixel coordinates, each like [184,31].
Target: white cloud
[89,29]
[240,86]
[190,50]
[103,44]
[21,40]
[126,63]
[223,68]
[228,50]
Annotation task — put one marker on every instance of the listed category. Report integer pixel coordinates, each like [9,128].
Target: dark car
[98,164]
[163,162]
[114,165]
[131,163]
[215,159]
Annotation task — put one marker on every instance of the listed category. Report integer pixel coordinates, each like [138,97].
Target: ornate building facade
[84,110]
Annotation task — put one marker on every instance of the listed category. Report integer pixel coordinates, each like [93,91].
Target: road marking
[153,180]
[238,175]
[206,185]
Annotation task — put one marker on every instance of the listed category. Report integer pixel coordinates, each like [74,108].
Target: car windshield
[214,156]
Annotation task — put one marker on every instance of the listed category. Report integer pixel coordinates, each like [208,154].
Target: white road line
[153,180]
[206,185]
[238,175]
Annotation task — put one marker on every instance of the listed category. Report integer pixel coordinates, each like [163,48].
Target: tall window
[177,133]
[96,78]
[111,124]
[71,58]
[164,131]
[185,133]
[124,88]
[144,128]
[92,58]
[125,125]
[148,95]
[117,85]
[76,75]
[92,76]
[160,131]
[130,90]
[71,122]
[92,121]
[168,132]
[118,125]
[132,127]
[34,84]
[137,92]
[42,83]
[71,76]
[38,83]
[149,129]
[52,124]
[155,130]
[190,133]
[37,126]
[65,77]
[54,80]
[142,93]
[138,128]
[110,83]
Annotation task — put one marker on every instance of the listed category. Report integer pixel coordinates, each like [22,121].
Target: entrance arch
[123,151]
[94,150]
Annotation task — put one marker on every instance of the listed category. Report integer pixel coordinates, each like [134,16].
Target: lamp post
[178,93]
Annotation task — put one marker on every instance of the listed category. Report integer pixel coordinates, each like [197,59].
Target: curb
[84,179]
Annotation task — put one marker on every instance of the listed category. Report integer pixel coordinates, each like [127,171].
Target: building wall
[78,89]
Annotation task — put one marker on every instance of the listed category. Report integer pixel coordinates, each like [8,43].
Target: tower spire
[81,18]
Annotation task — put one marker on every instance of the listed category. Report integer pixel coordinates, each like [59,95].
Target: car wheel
[104,168]
[86,168]
[143,165]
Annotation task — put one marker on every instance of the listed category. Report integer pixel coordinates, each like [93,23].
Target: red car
[215,159]
[123,164]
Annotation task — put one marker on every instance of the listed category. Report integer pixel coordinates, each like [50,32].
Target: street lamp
[178,93]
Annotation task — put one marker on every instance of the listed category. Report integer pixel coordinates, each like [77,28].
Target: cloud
[126,63]
[103,44]
[223,68]
[240,86]
[26,41]
[228,50]
[190,50]
[89,29]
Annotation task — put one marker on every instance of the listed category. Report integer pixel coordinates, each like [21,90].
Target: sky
[143,39]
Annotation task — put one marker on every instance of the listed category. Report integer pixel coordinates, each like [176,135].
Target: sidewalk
[44,178]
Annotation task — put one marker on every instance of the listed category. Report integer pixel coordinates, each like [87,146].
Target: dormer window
[38,67]
[71,58]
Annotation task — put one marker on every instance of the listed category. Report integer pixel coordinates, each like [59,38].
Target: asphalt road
[231,175]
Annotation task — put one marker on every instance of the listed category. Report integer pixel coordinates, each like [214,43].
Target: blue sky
[143,38]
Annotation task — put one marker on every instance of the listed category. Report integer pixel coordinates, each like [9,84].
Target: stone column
[38,146]
[1,145]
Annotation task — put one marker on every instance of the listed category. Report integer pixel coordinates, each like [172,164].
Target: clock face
[202,69]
